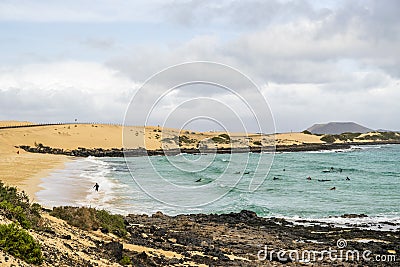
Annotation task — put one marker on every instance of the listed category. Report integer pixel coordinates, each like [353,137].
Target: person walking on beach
[96,187]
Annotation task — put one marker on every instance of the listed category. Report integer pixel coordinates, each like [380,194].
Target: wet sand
[25,170]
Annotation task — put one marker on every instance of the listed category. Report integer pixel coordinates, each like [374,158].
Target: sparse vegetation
[15,206]
[389,136]
[226,136]
[20,244]
[186,140]
[125,260]
[219,140]
[328,138]
[91,219]
[384,136]
[381,136]
[257,143]
[181,140]
[347,136]
[370,137]
[222,139]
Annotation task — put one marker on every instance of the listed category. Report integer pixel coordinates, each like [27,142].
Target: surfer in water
[96,187]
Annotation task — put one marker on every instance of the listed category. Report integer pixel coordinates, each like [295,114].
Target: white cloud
[79,10]
[298,106]
[64,90]
[335,63]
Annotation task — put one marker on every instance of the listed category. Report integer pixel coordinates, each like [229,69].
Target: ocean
[272,185]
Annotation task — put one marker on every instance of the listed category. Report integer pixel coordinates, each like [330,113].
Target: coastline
[229,239]
[120,152]
[25,170]
[244,239]
[232,239]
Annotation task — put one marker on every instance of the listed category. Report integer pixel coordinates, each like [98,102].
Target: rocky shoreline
[234,239]
[244,239]
[120,152]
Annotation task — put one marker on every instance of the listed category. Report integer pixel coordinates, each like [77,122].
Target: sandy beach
[24,170]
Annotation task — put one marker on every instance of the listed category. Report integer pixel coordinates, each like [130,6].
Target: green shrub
[91,219]
[20,244]
[219,140]
[186,140]
[83,218]
[381,136]
[226,136]
[112,222]
[15,206]
[328,138]
[347,136]
[389,136]
[125,260]
[306,132]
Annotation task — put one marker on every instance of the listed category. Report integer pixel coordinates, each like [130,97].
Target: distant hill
[383,130]
[338,128]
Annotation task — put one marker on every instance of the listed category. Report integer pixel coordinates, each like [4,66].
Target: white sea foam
[74,185]
[379,223]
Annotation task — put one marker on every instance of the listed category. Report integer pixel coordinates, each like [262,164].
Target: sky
[312,61]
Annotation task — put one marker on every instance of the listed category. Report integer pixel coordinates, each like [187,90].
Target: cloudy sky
[314,61]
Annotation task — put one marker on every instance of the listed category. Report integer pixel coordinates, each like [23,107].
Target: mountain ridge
[338,128]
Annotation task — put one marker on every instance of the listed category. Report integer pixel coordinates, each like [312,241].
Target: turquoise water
[373,189]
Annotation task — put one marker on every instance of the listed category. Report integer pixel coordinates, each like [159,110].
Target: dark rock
[104,230]
[67,237]
[158,214]
[114,249]
[49,231]
[68,246]
[354,216]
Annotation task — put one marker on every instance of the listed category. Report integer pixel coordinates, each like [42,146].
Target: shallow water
[373,189]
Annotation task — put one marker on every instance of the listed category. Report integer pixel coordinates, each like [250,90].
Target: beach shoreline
[25,170]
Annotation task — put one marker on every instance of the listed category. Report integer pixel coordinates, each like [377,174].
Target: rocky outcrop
[235,239]
[120,152]
[80,152]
